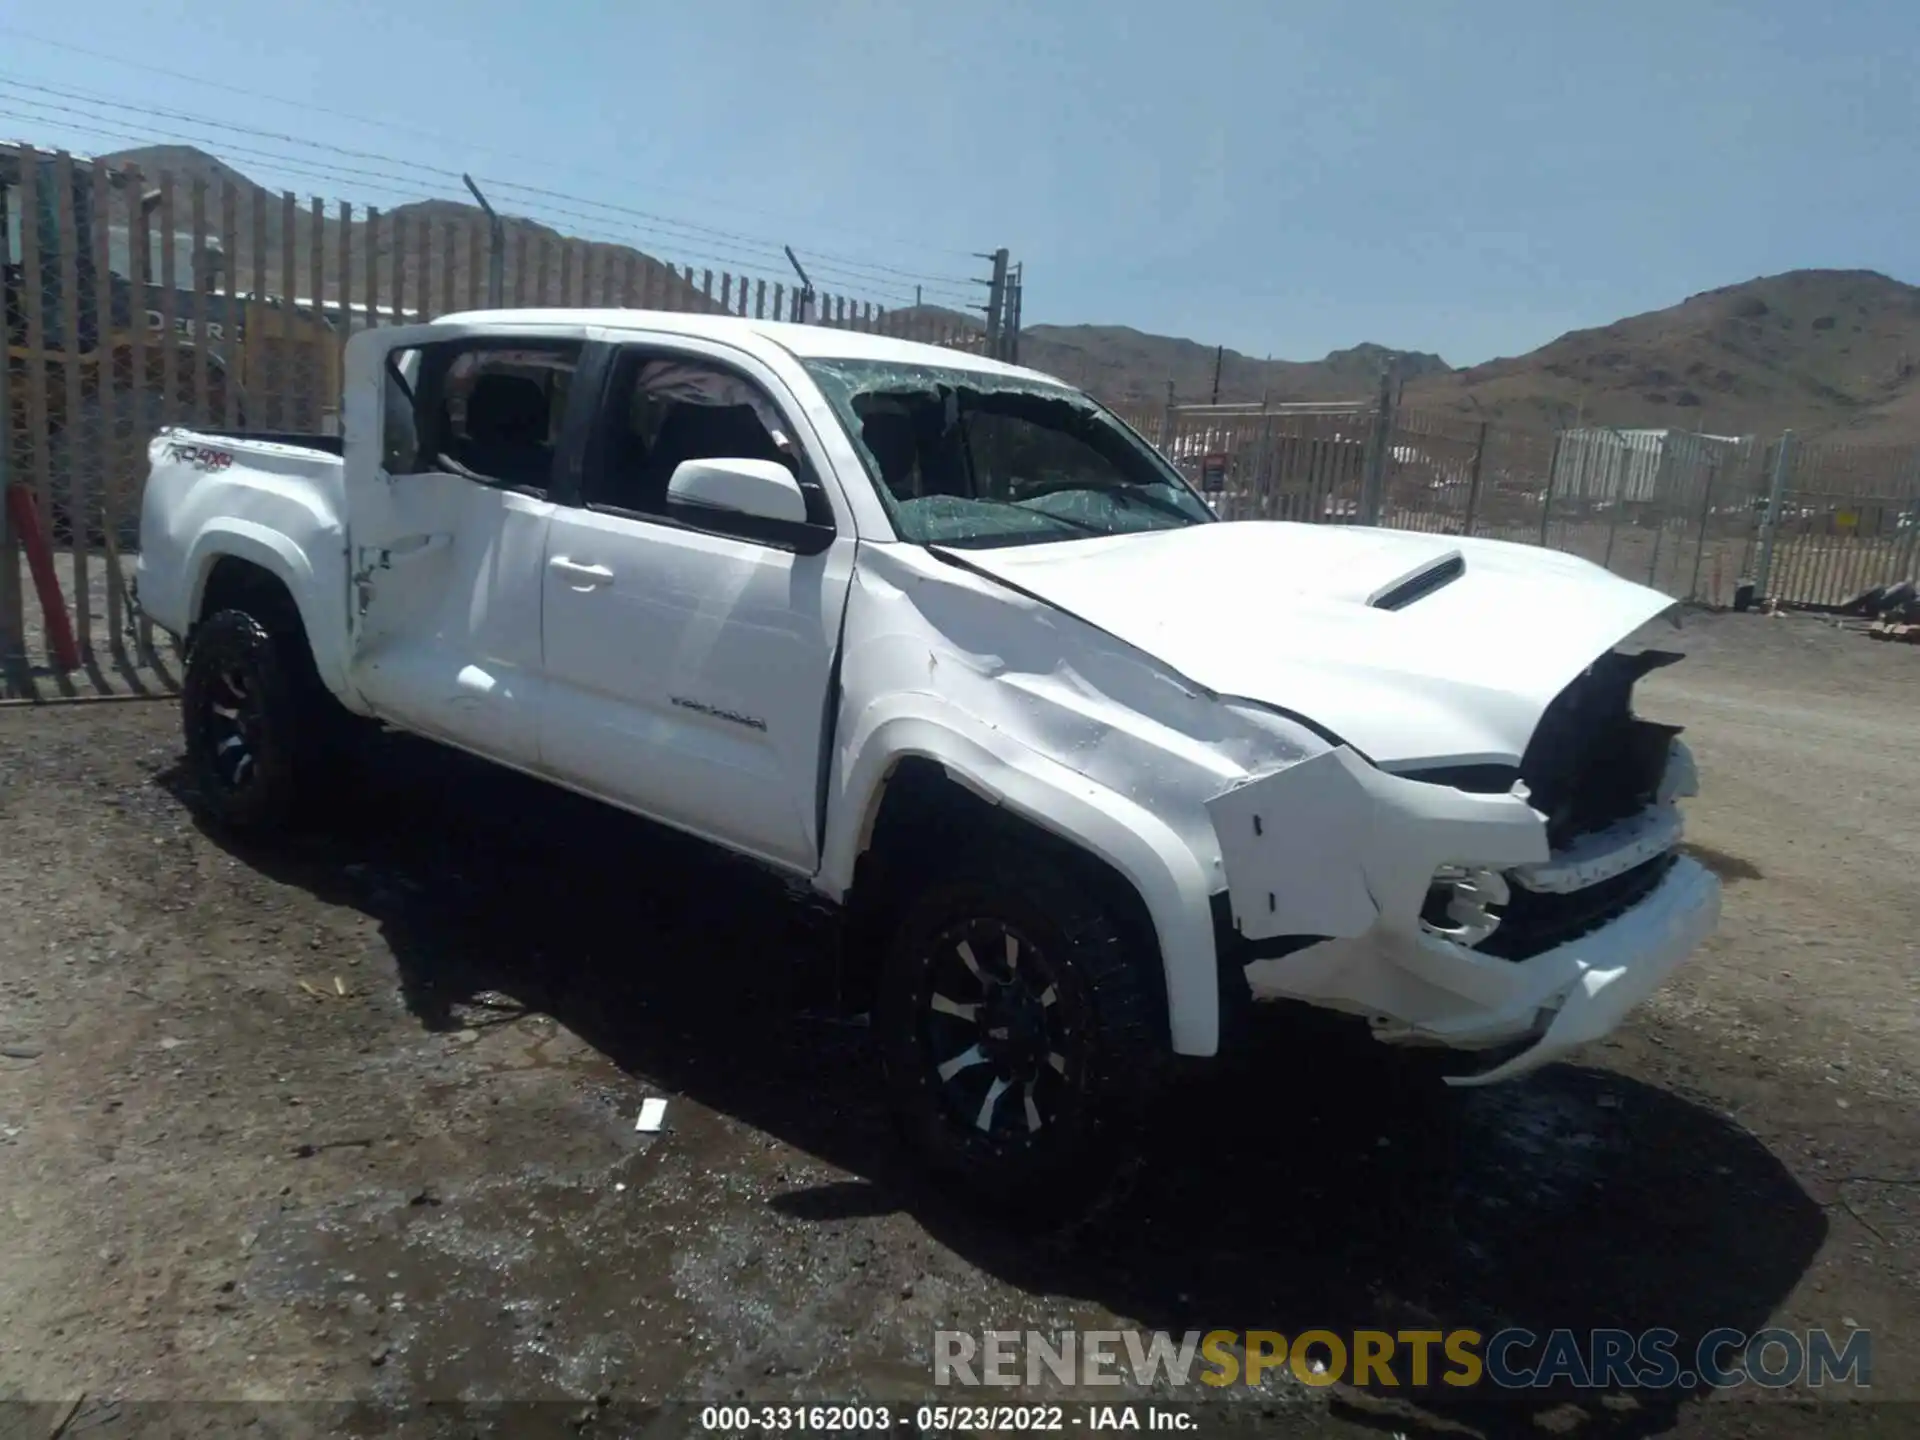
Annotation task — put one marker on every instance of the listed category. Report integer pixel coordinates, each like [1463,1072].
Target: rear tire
[1022,1029]
[262,733]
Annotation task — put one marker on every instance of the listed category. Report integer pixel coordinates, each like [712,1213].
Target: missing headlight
[1461,901]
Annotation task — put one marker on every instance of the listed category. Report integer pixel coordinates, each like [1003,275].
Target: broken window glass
[971,458]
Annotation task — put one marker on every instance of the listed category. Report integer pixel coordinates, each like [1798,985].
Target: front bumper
[1351,939]
[1579,992]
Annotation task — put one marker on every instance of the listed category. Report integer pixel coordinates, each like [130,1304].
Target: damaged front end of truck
[1516,912]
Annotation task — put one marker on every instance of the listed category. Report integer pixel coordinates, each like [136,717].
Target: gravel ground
[352,1118]
[107,670]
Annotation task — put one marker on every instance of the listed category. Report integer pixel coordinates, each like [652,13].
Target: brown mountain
[1123,365]
[263,223]
[1816,350]
[1813,350]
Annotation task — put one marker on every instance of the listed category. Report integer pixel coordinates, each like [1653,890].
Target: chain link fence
[1684,513]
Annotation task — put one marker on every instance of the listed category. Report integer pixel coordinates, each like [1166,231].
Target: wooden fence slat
[292,403]
[345,329]
[628,279]
[169,306]
[449,257]
[566,273]
[520,249]
[540,273]
[475,259]
[397,268]
[326,392]
[103,453]
[423,282]
[33,293]
[370,237]
[232,329]
[200,321]
[12,600]
[139,378]
[70,448]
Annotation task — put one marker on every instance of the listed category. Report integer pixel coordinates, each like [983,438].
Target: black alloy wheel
[999,1033]
[1022,1024]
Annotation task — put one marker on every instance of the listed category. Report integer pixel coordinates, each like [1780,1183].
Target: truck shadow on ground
[1310,1190]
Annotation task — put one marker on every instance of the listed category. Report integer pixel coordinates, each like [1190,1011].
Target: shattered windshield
[971,459]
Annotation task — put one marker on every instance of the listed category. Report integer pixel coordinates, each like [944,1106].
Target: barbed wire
[680,231]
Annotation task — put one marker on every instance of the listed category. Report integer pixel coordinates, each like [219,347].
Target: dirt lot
[353,1119]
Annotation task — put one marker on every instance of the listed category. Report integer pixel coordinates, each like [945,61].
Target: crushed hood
[1408,647]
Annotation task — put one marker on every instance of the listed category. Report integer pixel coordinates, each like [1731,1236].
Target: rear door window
[490,412]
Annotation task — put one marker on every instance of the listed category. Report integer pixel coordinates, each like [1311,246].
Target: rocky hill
[1122,364]
[261,230]
[1819,351]
[1814,350]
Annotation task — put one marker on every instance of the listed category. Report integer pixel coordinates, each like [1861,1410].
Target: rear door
[690,666]
[448,538]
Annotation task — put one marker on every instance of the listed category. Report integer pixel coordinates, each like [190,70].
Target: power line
[757,266]
[873,265]
[314,169]
[290,166]
[545,162]
[682,232]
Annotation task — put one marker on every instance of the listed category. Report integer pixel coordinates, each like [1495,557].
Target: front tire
[1021,1029]
[254,737]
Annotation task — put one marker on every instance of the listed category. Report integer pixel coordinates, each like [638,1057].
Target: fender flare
[229,538]
[1171,881]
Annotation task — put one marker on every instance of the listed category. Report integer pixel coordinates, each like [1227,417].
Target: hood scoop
[1419,582]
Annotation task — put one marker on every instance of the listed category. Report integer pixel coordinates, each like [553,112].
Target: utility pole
[806,286]
[996,298]
[1219,354]
[1016,284]
[1379,442]
[1776,491]
[916,297]
[496,251]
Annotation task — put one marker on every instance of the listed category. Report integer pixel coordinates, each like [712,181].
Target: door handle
[585,577]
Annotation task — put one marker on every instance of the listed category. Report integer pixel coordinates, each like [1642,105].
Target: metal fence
[1697,516]
[136,300]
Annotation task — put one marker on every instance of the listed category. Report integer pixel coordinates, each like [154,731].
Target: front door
[689,668]
[449,538]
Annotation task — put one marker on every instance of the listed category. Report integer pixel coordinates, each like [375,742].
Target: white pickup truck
[1085,769]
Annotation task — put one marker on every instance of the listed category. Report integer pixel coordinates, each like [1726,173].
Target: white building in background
[1599,464]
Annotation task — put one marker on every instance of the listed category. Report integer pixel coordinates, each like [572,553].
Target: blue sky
[1471,177]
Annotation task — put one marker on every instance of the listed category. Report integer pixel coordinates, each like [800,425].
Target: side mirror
[757,489]
[754,499]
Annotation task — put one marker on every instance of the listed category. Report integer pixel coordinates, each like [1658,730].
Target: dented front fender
[1334,848]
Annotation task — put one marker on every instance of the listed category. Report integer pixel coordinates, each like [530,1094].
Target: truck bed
[272,498]
[303,439]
